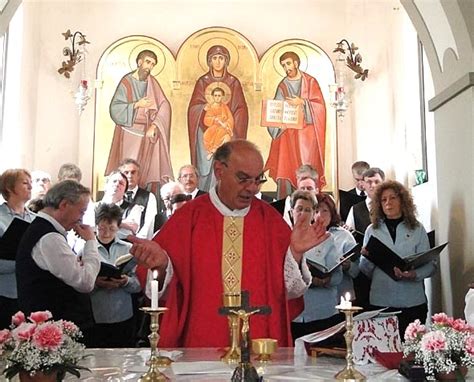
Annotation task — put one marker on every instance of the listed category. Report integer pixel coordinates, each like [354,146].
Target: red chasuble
[193,240]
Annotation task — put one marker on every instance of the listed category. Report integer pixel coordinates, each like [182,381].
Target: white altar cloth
[114,365]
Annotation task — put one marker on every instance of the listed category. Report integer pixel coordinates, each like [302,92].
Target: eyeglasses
[111,228]
[245,180]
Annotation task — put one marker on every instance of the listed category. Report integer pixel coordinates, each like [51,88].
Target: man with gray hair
[188,176]
[49,274]
[69,171]
[167,191]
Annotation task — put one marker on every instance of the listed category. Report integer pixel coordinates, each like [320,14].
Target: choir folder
[384,258]
[321,271]
[11,238]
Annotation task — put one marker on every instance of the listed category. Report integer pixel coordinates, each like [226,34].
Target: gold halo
[160,65]
[217,84]
[207,44]
[287,48]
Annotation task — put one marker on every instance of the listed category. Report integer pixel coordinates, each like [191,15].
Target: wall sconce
[346,58]
[74,53]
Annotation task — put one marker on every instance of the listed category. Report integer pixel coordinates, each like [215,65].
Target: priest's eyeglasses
[245,180]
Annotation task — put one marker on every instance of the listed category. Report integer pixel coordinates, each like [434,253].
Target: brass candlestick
[153,374]
[349,373]
[233,354]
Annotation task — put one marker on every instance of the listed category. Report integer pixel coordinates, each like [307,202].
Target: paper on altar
[201,367]
[313,338]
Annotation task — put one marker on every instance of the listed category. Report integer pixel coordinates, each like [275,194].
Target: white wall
[377,112]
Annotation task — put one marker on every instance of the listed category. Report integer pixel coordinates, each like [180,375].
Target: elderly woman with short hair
[394,223]
[15,187]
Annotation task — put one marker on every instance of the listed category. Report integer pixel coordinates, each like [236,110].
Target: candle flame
[348,296]
[155,274]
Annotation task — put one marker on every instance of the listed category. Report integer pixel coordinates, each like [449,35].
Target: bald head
[238,167]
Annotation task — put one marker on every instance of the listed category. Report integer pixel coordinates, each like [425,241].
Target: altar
[203,365]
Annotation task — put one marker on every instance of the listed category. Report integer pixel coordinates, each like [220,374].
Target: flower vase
[38,377]
[459,374]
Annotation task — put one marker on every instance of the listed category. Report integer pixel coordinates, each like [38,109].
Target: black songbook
[11,238]
[346,201]
[122,265]
[384,258]
[320,271]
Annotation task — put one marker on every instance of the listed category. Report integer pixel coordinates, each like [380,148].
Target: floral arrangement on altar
[447,347]
[39,345]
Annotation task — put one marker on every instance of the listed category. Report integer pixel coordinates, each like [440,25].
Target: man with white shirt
[359,217]
[136,195]
[356,194]
[49,275]
[188,176]
[223,243]
[358,220]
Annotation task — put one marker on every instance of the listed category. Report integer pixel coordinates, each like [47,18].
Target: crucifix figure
[245,371]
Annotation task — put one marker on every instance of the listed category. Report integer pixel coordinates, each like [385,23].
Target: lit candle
[348,299]
[154,291]
[345,302]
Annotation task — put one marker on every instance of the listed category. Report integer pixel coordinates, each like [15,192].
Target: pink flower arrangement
[443,348]
[40,344]
[433,341]
[414,330]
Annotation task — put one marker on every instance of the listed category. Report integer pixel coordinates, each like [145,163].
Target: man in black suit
[357,193]
[188,176]
[136,195]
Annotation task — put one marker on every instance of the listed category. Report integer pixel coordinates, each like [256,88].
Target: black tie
[128,196]
[362,193]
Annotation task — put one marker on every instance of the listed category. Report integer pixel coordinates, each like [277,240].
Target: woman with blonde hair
[15,187]
[394,223]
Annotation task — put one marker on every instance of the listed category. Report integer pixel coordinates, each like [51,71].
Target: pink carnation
[4,336]
[48,336]
[24,332]
[460,325]
[69,327]
[40,317]
[18,318]
[442,319]
[413,330]
[433,341]
[469,344]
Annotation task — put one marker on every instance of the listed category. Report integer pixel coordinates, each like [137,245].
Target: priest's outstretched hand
[307,235]
[149,253]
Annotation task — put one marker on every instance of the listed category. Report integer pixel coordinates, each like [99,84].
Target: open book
[384,258]
[321,271]
[11,238]
[279,113]
[122,265]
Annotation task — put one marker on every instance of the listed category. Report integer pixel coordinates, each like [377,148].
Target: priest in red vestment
[292,148]
[189,251]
